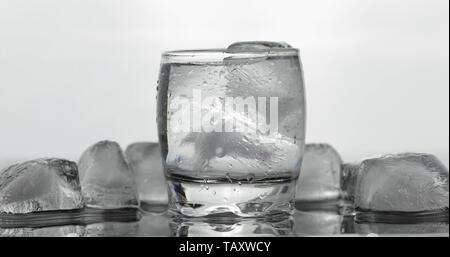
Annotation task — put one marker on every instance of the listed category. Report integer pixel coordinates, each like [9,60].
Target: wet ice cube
[40,185]
[256,46]
[274,77]
[106,178]
[349,177]
[402,183]
[147,165]
[320,174]
[234,153]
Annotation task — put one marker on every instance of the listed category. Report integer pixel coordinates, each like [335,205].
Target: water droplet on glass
[220,152]
[229,178]
[251,178]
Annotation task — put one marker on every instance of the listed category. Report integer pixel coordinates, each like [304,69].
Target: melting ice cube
[106,178]
[320,174]
[349,177]
[147,165]
[40,185]
[402,183]
[256,46]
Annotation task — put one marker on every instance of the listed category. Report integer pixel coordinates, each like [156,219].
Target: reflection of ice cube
[64,231]
[422,229]
[40,185]
[106,179]
[112,229]
[404,182]
[320,174]
[154,225]
[146,163]
[317,223]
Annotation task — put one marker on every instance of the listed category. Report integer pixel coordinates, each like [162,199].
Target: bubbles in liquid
[179,160]
[220,152]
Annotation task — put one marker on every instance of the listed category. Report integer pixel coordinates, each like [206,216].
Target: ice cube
[234,153]
[320,174]
[40,185]
[407,182]
[349,176]
[147,166]
[275,77]
[106,178]
[256,46]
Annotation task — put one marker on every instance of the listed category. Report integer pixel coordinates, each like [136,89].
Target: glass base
[195,198]
[153,207]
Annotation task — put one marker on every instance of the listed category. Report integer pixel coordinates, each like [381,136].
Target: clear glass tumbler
[231,125]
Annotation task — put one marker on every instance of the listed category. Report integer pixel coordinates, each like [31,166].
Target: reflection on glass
[61,231]
[231,227]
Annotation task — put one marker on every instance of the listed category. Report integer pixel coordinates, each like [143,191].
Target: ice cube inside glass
[231,128]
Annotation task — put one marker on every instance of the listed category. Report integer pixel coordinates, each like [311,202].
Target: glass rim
[218,55]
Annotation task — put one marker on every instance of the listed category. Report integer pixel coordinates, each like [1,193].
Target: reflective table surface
[156,221]
[132,222]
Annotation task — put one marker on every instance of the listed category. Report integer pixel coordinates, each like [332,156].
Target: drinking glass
[231,125]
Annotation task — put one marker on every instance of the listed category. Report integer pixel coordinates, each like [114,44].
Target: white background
[73,72]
